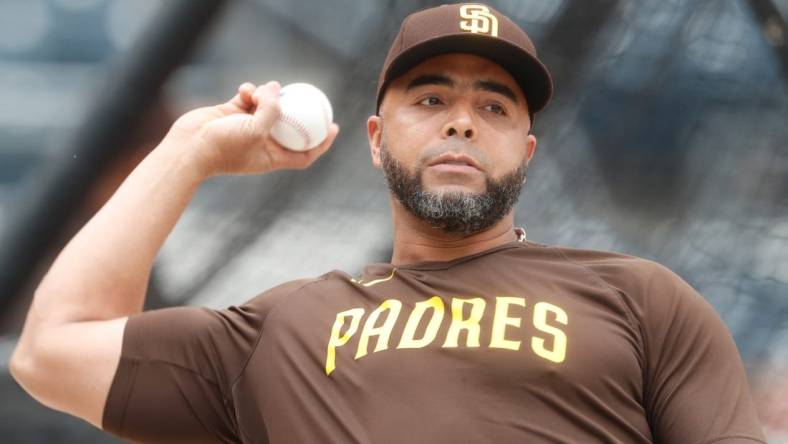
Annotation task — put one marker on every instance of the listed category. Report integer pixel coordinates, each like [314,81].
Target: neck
[416,241]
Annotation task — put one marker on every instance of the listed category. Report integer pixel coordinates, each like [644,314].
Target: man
[470,334]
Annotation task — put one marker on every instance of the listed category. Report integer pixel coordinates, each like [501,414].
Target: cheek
[418,122]
[405,140]
[510,153]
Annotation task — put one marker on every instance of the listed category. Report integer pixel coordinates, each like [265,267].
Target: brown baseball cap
[468,28]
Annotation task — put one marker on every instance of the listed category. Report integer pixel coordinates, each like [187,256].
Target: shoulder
[270,300]
[642,284]
[243,320]
[649,289]
[622,271]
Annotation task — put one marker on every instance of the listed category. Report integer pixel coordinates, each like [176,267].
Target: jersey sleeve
[695,385]
[176,369]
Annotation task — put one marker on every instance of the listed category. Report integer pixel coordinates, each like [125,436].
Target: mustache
[455,147]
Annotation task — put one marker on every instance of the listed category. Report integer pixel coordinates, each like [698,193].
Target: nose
[460,124]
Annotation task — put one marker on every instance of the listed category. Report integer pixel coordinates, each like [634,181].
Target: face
[452,139]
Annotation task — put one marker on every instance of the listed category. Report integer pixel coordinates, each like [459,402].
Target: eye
[495,108]
[430,101]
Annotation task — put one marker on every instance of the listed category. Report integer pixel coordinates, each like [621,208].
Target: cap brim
[529,73]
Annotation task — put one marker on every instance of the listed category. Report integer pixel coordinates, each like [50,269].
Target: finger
[245,92]
[324,146]
[283,158]
[302,159]
[266,98]
[240,102]
[259,90]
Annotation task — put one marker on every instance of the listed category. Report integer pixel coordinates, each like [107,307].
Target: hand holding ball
[304,119]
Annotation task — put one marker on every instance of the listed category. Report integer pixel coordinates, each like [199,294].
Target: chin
[454,185]
[456,189]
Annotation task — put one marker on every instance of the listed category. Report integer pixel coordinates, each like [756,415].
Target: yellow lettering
[501,320]
[558,353]
[383,332]
[335,340]
[470,325]
[408,340]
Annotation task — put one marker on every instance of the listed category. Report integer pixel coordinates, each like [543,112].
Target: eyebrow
[483,85]
[430,79]
[496,87]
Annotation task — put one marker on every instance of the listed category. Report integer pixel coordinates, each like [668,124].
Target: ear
[375,137]
[530,147]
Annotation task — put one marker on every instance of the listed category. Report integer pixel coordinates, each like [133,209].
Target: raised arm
[71,342]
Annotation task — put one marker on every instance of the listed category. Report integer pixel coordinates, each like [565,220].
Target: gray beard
[453,212]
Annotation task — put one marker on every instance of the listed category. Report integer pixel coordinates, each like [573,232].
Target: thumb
[266,98]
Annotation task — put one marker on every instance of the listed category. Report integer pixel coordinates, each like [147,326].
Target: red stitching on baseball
[299,127]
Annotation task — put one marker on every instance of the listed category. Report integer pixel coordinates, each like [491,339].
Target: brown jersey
[520,343]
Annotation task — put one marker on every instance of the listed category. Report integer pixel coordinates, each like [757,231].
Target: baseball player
[471,334]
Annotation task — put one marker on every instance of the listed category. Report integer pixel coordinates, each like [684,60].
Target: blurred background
[667,139]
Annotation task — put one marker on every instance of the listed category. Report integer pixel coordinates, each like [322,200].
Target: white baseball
[305,117]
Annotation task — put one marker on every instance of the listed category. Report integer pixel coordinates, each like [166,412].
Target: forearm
[102,273]
[72,341]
